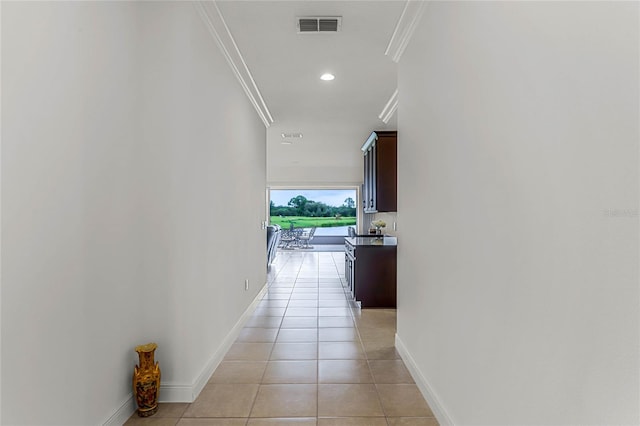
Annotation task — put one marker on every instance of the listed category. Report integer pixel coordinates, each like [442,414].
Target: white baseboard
[122,414]
[443,417]
[176,392]
[222,350]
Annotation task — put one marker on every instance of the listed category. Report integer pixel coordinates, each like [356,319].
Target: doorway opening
[331,211]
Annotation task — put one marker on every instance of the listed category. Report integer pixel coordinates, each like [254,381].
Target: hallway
[306,358]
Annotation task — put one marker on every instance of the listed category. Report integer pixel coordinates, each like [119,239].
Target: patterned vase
[146,381]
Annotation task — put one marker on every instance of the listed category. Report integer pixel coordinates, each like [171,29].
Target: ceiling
[335,117]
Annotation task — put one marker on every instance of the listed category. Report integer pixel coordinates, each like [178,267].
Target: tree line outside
[305,213]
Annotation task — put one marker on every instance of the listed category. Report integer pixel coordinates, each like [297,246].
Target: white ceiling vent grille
[318,24]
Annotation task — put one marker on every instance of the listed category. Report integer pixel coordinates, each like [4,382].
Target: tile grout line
[375,383]
[272,348]
[330,288]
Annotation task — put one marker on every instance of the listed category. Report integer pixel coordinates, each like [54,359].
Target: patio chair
[289,239]
[306,237]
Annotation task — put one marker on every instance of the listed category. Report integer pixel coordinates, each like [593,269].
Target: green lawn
[308,222]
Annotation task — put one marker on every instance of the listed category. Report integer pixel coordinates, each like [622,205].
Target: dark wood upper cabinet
[380,187]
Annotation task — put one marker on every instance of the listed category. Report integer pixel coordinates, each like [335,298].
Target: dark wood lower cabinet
[371,275]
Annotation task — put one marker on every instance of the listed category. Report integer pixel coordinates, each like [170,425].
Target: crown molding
[390,108]
[215,23]
[405,27]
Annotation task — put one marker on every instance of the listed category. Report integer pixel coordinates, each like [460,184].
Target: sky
[331,197]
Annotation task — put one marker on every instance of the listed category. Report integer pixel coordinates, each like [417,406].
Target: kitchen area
[370,252]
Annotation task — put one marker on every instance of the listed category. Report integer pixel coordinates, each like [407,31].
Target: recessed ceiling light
[327,77]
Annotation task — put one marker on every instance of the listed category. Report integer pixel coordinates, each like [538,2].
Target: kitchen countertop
[372,241]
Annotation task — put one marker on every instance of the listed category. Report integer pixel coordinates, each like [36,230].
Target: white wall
[133,176]
[518,279]
[329,154]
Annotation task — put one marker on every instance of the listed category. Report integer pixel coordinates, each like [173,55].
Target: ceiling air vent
[316,24]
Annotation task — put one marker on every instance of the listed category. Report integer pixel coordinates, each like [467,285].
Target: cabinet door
[352,279]
[349,268]
[386,172]
[374,178]
[369,201]
[346,269]
[374,277]
[366,186]
[380,173]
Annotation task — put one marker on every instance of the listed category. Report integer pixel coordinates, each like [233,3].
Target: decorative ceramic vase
[146,381]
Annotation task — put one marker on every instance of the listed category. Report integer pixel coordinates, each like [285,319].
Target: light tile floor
[306,357]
